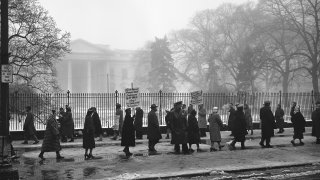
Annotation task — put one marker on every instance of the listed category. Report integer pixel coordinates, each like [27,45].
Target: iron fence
[42,104]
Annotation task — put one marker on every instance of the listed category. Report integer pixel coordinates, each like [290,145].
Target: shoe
[176,152]
[261,144]
[292,142]
[231,147]
[220,147]
[269,146]
[128,154]
[301,143]
[90,156]
[24,142]
[36,142]
[72,140]
[243,147]
[213,149]
[86,156]
[41,157]
[191,150]
[59,157]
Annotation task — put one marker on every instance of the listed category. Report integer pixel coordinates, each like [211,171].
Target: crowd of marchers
[182,124]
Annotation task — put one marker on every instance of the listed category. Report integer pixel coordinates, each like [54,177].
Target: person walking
[279,118]
[202,120]
[138,122]
[51,141]
[239,130]
[167,119]
[69,125]
[184,110]
[28,127]
[193,131]
[118,122]
[61,121]
[190,108]
[97,124]
[179,126]
[231,117]
[88,142]
[316,122]
[153,132]
[128,138]
[215,124]
[299,124]
[267,125]
[248,117]
[293,106]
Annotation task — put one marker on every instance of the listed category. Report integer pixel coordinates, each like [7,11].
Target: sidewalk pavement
[110,162]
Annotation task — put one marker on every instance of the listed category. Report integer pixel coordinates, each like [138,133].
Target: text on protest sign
[132,97]
[196,97]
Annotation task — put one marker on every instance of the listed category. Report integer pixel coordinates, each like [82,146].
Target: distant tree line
[248,47]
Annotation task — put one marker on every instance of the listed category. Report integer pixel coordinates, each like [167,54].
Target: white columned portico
[89,77]
[69,76]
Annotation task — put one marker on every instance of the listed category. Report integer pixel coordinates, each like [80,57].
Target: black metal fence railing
[42,104]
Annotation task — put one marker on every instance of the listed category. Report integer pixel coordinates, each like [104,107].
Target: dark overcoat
[88,133]
[239,126]
[232,112]
[138,120]
[267,122]
[67,127]
[153,131]
[193,130]
[248,117]
[299,124]
[51,141]
[179,126]
[28,125]
[279,117]
[97,123]
[128,138]
[316,123]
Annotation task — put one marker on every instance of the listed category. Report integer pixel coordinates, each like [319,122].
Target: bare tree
[35,45]
[302,18]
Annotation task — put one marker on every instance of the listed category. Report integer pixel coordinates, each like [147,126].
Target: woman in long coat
[69,124]
[215,124]
[279,118]
[267,124]
[88,135]
[51,141]
[247,114]
[316,122]
[239,129]
[153,131]
[193,130]
[138,123]
[128,138]
[202,120]
[28,127]
[97,124]
[299,124]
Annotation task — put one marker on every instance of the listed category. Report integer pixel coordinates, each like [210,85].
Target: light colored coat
[215,124]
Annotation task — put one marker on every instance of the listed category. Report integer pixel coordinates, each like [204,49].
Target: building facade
[92,68]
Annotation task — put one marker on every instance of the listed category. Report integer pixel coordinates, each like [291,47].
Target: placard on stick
[196,97]
[132,97]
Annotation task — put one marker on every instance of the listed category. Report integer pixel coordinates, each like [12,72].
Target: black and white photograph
[160,89]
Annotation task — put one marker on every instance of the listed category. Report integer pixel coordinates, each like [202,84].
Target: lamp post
[4,88]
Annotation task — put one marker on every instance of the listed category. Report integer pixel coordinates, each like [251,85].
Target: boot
[58,155]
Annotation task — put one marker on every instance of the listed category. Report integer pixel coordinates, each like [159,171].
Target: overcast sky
[125,24]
